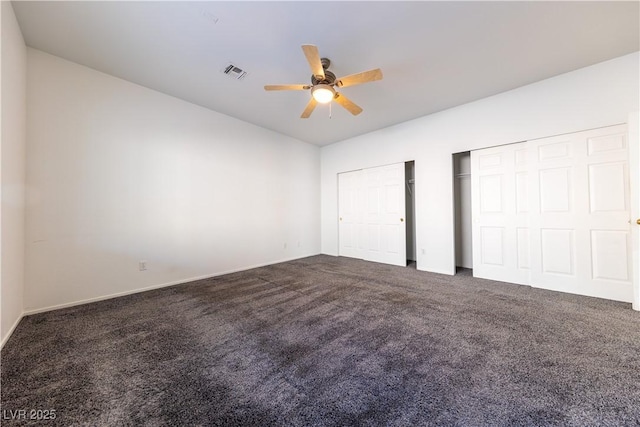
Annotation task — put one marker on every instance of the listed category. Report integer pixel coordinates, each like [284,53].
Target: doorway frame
[633,129]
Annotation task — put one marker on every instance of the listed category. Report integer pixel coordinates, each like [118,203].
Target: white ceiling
[434,55]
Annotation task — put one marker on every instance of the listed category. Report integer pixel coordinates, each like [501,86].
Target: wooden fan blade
[359,78]
[309,108]
[347,104]
[313,57]
[287,87]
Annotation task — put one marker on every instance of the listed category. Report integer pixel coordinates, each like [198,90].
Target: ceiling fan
[324,82]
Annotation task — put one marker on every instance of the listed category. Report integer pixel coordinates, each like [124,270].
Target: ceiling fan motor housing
[329,78]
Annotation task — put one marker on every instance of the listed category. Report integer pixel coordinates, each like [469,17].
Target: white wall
[595,96]
[12,167]
[118,173]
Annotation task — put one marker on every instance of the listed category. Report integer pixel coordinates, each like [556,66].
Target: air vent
[234,71]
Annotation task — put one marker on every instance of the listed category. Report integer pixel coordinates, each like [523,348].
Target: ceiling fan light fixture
[323,82]
[323,93]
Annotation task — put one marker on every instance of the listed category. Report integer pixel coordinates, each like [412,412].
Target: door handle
[638,221]
[340,218]
[402,219]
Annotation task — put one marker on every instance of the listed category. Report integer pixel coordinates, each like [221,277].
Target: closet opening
[462,212]
[410,212]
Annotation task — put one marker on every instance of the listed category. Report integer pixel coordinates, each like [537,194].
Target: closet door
[384,214]
[580,212]
[350,211]
[499,199]
[554,213]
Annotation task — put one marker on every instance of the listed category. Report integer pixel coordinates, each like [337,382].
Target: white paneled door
[580,217]
[384,218]
[554,213]
[351,202]
[372,214]
[499,200]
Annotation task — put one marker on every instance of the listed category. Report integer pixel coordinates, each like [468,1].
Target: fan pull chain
[330,109]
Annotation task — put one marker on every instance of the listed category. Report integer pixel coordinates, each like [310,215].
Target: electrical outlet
[142,265]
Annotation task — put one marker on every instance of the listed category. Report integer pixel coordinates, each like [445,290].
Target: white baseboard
[31,311]
[10,331]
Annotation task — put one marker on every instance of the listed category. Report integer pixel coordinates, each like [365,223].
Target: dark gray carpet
[330,341]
